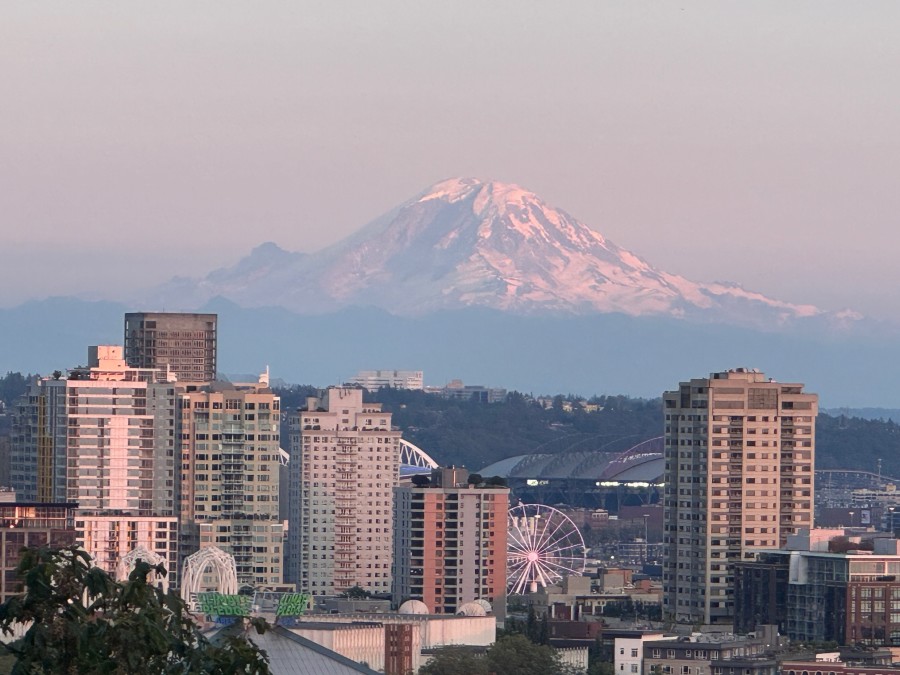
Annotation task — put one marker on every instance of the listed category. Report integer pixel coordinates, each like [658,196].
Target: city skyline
[765,131]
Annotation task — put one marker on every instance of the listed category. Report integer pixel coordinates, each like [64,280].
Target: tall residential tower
[103,437]
[344,465]
[739,478]
[229,462]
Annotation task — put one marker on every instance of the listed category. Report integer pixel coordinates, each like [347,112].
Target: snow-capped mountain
[466,242]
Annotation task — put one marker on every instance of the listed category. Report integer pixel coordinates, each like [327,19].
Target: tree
[81,620]
[601,668]
[13,385]
[356,593]
[454,661]
[517,655]
[600,658]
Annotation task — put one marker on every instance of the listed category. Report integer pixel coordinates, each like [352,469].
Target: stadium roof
[643,462]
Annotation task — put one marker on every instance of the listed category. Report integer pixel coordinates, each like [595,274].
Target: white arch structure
[412,455]
[196,564]
[128,561]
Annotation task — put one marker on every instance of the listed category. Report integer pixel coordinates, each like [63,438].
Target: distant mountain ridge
[578,354]
[467,243]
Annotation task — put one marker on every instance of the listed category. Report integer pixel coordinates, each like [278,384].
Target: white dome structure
[414,607]
[471,609]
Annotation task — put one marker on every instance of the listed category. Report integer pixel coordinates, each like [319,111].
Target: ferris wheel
[544,545]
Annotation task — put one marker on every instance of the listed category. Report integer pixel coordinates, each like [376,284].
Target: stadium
[586,473]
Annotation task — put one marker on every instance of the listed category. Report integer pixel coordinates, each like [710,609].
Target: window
[634,652]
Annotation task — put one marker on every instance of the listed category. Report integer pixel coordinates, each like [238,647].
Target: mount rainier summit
[465,243]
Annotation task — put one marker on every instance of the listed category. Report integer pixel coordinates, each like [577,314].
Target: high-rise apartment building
[450,542]
[229,463]
[343,469]
[103,438]
[739,451]
[185,344]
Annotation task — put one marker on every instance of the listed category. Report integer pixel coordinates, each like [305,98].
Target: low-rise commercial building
[713,655]
[812,594]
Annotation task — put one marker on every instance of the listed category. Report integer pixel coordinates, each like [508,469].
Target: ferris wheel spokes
[544,545]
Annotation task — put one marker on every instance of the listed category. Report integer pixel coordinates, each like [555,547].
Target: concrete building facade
[628,655]
[850,597]
[450,542]
[373,380]
[418,633]
[103,437]
[24,524]
[108,537]
[230,456]
[739,453]
[183,343]
[343,469]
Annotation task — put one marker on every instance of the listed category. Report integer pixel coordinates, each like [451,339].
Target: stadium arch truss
[414,456]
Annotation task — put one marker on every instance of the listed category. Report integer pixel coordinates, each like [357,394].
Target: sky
[749,142]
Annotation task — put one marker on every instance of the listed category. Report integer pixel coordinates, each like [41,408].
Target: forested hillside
[477,434]
[852,442]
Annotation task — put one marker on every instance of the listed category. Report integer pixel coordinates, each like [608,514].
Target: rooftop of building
[292,654]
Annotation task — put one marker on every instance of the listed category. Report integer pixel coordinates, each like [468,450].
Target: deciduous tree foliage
[455,661]
[517,655]
[80,620]
[510,655]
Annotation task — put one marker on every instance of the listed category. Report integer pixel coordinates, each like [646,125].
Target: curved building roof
[643,462]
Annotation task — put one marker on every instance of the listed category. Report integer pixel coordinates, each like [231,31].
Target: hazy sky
[757,142]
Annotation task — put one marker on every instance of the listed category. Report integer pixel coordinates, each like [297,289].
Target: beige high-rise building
[344,465]
[183,343]
[739,452]
[230,457]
